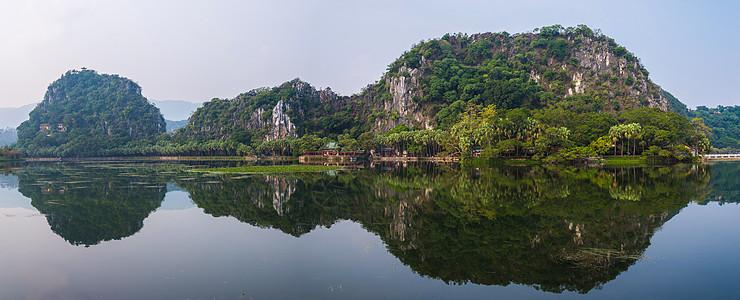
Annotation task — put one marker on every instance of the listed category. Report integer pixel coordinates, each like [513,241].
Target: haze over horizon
[195,51]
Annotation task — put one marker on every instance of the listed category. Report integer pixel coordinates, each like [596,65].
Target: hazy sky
[198,50]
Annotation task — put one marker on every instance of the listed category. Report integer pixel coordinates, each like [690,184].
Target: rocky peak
[596,58]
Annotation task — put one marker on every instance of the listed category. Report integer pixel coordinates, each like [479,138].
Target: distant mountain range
[10,118]
[14,116]
[176,110]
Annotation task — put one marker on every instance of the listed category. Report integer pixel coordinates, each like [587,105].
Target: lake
[125,230]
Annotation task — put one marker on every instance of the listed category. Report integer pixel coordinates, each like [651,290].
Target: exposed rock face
[280,127]
[594,57]
[279,111]
[402,89]
[328,97]
[403,107]
[278,192]
[433,82]
[587,64]
[281,190]
[255,119]
[577,88]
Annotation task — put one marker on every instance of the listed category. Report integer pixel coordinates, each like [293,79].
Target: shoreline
[606,161]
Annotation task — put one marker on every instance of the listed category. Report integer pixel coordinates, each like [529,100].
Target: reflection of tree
[87,205]
[7,167]
[557,230]
[724,186]
[295,204]
[541,236]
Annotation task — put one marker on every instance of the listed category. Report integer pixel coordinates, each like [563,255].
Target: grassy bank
[271,169]
[626,161]
[479,162]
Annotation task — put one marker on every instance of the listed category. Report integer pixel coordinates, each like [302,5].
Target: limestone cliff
[570,68]
[289,110]
[575,69]
[280,126]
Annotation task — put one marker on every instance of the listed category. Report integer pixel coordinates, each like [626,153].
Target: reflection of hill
[7,167]
[507,227]
[87,205]
[287,203]
[724,186]
[553,229]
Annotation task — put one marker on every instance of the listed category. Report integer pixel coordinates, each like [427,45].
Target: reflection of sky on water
[189,254]
[9,195]
[8,182]
[693,256]
[176,199]
[183,252]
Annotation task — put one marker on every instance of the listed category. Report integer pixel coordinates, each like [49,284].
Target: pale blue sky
[197,50]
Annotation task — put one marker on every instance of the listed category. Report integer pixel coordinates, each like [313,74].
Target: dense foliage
[6,153]
[248,117]
[175,125]
[551,68]
[571,68]
[85,113]
[553,134]
[724,123]
[555,92]
[562,135]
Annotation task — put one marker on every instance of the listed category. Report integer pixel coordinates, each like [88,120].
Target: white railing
[722,156]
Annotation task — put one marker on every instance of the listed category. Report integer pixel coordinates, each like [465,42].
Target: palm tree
[615,132]
[636,134]
[628,131]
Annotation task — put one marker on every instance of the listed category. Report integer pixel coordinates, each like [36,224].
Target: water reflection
[564,229]
[725,186]
[555,229]
[89,204]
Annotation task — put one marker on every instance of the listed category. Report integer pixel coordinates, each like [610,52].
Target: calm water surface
[158,231]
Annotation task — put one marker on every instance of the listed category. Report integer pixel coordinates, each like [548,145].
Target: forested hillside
[292,109]
[725,125]
[553,92]
[571,85]
[86,114]
[575,69]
